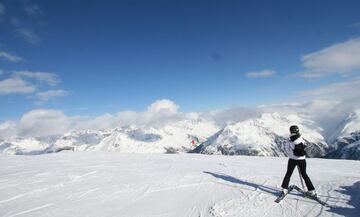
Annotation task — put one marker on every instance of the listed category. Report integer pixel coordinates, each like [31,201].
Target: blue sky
[91,57]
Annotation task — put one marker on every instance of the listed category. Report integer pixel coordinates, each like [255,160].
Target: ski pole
[301,179]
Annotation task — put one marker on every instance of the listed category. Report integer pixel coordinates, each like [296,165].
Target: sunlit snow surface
[101,184]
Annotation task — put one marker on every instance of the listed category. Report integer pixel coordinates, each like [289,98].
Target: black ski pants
[290,169]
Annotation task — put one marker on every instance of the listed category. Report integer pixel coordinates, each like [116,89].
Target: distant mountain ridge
[179,136]
[261,136]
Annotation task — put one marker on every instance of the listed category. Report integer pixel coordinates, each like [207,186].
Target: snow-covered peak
[259,131]
[264,135]
[280,124]
[23,146]
[345,141]
[349,125]
[175,136]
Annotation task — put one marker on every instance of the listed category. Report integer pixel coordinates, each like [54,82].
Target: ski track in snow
[146,185]
[30,210]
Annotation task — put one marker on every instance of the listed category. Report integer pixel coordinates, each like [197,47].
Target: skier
[296,150]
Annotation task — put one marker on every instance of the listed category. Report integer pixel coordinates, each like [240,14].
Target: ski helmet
[294,130]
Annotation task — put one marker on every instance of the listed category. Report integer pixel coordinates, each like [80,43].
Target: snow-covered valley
[108,184]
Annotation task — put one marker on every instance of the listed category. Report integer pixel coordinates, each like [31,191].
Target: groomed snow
[104,184]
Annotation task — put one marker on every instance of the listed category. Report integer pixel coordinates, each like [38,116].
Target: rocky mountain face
[347,147]
[345,142]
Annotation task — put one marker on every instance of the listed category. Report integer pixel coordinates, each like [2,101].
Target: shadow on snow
[232,179]
[354,192]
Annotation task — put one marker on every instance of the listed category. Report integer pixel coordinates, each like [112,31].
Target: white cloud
[335,91]
[44,77]
[341,58]
[326,113]
[9,57]
[15,85]
[26,82]
[43,122]
[100,122]
[8,129]
[311,108]
[28,35]
[261,74]
[231,115]
[163,105]
[158,113]
[331,103]
[326,105]
[47,95]
[1,72]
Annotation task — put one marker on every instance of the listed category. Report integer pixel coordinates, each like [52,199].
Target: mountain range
[264,135]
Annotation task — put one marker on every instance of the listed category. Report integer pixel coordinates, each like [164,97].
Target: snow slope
[108,184]
[264,136]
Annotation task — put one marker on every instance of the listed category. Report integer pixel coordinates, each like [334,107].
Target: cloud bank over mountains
[47,122]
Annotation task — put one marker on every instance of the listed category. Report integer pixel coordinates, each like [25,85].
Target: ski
[282,195]
[315,198]
[298,189]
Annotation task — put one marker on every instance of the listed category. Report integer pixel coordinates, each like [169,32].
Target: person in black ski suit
[296,150]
